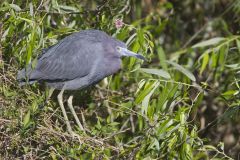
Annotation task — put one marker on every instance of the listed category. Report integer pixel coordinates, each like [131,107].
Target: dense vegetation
[183,103]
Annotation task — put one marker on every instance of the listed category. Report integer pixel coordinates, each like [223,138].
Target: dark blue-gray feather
[77,61]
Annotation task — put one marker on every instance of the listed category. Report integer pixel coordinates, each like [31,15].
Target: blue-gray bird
[77,61]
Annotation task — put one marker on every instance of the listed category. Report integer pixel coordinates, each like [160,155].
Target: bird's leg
[60,101]
[74,113]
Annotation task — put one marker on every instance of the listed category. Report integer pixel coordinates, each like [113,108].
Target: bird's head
[122,50]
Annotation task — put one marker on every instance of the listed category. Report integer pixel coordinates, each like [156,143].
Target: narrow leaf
[238,45]
[68,8]
[140,35]
[223,52]
[146,100]
[162,58]
[158,72]
[31,9]
[214,59]
[148,88]
[26,119]
[204,62]
[140,85]
[130,39]
[25,19]
[183,70]
[209,42]
[15,7]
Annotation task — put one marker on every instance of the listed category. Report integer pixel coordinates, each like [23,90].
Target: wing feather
[72,57]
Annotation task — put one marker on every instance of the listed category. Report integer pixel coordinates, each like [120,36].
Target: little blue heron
[76,62]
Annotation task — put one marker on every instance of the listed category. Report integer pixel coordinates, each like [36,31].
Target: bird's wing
[71,58]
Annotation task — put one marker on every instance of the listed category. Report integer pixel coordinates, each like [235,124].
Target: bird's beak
[128,53]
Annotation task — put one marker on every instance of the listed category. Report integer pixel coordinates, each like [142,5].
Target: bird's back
[72,57]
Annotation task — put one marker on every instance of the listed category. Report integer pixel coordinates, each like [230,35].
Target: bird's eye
[118,48]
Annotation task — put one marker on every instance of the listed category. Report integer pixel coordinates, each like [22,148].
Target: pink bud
[118,23]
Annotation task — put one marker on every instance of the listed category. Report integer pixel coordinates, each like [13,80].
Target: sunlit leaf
[130,39]
[158,72]
[233,66]
[15,7]
[172,142]
[204,62]
[31,9]
[230,93]
[162,58]
[214,60]
[25,19]
[140,35]
[148,88]
[146,100]
[223,52]
[238,44]
[155,144]
[26,119]
[163,127]
[140,85]
[209,42]
[183,70]
[68,8]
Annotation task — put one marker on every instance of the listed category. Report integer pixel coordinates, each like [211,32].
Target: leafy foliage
[155,110]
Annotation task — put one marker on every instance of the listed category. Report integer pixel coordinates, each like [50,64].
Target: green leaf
[158,72]
[140,85]
[25,19]
[166,94]
[68,8]
[172,142]
[31,9]
[154,144]
[26,119]
[204,62]
[136,46]
[145,92]
[131,39]
[214,59]
[4,8]
[162,129]
[30,46]
[209,42]
[140,36]
[238,45]
[162,58]
[183,70]
[146,100]
[123,34]
[15,7]
[230,93]
[233,66]
[223,52]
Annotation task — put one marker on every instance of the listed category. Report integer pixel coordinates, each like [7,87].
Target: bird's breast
[105,68]
[113,65]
